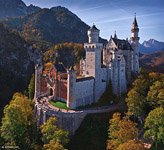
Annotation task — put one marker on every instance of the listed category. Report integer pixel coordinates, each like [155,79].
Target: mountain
[15,65]
[15,8]
[55,25]
[151,46]
[153,62]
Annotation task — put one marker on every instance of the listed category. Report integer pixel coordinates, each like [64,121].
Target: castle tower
[93,52]
[71,82]
[38,73]
[135,43]
[93,58]
[93,34]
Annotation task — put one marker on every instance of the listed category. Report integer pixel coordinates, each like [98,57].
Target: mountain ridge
[15,8]
[151,46]
[54,25]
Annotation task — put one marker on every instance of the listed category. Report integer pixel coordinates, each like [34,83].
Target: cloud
[88,9]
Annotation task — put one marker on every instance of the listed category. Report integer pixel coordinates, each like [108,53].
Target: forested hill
[55,25]
[15,64]
[153,62]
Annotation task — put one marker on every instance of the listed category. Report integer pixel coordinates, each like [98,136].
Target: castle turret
[93,34]
[135,43]
[115,35]
[71,82]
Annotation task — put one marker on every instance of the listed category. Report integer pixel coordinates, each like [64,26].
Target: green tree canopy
[147,92]
[52,134]
[155,96]
[154,125]
[18,125]
[135,102]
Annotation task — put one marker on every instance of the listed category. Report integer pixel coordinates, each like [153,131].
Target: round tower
[135,43]
[38,73]
[71,82]
[135,31]
[93,34]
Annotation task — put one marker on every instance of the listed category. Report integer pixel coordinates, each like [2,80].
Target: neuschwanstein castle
[113,63]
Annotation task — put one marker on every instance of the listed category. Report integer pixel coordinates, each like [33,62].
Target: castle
[113,63]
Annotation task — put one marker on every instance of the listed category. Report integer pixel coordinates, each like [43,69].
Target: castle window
[103,80]
[93,46]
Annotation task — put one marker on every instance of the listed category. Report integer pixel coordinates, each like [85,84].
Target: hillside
[55,25]
[15,64]
[153,62]
[15,8]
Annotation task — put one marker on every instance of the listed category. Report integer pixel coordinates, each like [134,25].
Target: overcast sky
[115,15]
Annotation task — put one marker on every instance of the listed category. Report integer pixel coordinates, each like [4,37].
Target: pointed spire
[115,35]
[135,24]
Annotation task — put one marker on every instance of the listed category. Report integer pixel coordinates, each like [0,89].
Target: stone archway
[51,92]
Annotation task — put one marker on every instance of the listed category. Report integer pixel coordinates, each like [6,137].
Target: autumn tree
[53,145]
[31,87]
[131,145]
[69,54]
[120,131]
[18,124]
[52,134]
[154,125]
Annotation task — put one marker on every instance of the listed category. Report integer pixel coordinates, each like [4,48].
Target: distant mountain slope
[153,62]
[55,25]
[15,64]
[151,46]
[15,8]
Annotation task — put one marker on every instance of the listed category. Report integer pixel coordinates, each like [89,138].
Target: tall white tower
[93,58]
[93,52]
[135,43]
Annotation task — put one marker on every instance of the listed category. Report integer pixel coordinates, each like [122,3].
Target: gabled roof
[93,28]
[122,44]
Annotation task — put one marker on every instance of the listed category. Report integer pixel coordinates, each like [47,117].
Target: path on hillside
[45,105]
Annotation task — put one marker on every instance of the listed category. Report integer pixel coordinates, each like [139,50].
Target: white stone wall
[122,76]
[100,83]
[84,92]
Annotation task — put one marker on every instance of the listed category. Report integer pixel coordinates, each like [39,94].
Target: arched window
[51,92]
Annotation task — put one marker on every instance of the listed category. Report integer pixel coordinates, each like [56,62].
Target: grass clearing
[59,104]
